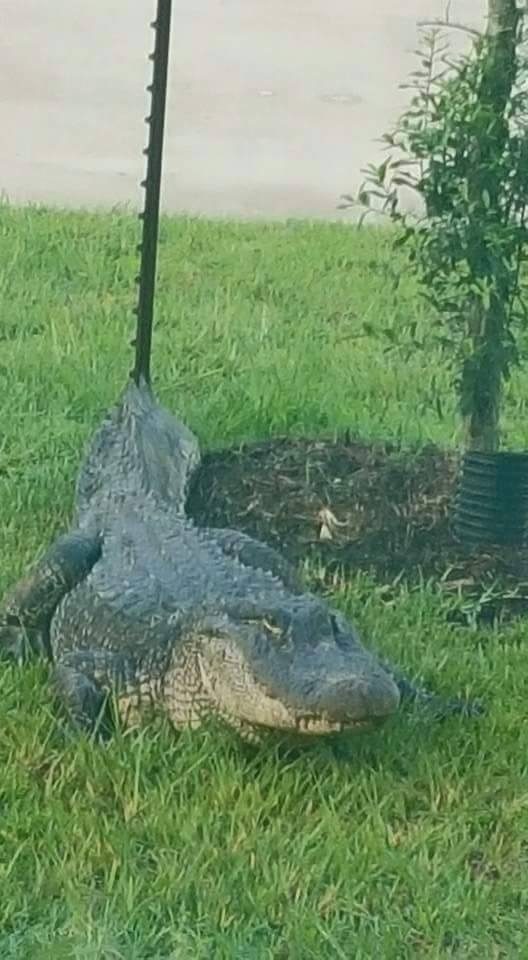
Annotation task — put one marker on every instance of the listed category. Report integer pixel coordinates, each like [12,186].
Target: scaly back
[140,451]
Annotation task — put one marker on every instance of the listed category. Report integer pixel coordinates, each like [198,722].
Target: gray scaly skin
[137,604]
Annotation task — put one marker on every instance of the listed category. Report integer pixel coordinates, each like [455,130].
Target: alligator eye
[265,622]
[273,632]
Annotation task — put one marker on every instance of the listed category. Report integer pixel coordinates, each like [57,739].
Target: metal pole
[148,247]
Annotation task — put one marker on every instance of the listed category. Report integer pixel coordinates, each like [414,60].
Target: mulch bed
[360,507]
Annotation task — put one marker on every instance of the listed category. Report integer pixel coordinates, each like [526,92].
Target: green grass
[410,842]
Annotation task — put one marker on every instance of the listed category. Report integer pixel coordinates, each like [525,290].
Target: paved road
[273,106]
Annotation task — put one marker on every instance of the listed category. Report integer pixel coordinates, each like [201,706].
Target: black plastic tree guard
[492,499]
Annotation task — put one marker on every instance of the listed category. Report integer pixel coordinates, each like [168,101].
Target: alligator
[138,607]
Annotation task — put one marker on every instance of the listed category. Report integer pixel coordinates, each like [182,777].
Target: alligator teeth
[317,725]
[323,725]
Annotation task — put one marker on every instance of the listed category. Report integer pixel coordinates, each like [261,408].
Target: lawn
[410,841]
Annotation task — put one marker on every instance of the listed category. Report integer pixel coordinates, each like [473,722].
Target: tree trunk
[482,374]
[503,19]
[482,378]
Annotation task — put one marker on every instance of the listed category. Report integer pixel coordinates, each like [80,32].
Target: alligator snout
[358,697]
[332,674]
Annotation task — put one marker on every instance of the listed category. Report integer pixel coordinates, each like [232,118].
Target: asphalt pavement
[274,105]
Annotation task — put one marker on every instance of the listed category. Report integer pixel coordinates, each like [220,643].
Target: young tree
[462,145]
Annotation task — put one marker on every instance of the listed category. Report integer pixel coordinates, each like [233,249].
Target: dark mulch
[356,506]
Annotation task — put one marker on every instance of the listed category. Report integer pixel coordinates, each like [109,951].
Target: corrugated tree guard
[492,500]
[148,247]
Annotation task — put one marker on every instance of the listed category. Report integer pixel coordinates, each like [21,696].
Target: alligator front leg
[28,608]
[99,686]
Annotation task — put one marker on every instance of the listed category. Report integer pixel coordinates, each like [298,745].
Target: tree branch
[452,25]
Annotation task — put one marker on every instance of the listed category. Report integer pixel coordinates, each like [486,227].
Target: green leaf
[382,170]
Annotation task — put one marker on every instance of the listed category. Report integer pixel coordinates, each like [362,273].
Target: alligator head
[297,668]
